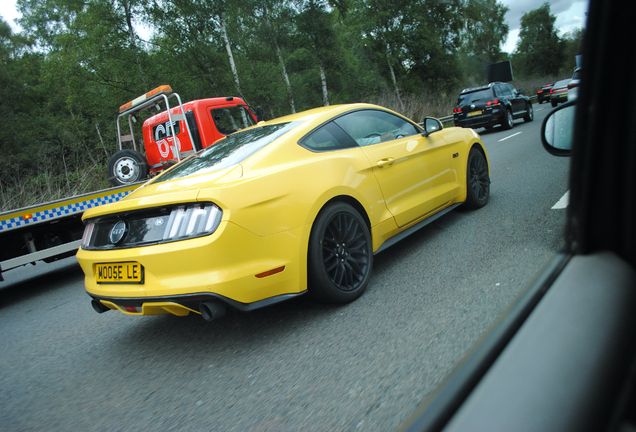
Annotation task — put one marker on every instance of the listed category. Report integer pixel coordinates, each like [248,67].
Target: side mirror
[557,130]
[521,91]
[431,125]
[260,114]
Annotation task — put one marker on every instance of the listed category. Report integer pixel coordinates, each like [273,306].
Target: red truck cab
[196,125]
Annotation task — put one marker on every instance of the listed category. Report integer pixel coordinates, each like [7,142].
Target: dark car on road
[494,104]
[543,95]
[559,92]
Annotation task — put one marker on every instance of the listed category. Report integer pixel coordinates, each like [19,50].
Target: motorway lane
[296,365]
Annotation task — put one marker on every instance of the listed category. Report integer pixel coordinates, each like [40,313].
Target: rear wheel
[126,167]
[554,103]
[340,255]
[508,121]
[477,180]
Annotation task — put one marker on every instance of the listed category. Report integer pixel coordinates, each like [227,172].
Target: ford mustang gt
[294,205]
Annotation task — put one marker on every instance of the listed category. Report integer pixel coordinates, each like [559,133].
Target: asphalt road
[294,366]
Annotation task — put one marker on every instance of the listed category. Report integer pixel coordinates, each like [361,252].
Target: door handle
[385,162]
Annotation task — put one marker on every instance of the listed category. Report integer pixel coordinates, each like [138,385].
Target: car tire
[529,114]
[554,103]
[508,121]
[477,180]
[340,255]
[127,167]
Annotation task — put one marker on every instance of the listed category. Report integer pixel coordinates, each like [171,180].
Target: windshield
[230,151]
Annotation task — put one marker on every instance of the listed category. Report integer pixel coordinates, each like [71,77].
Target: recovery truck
[53,230]
[174,133]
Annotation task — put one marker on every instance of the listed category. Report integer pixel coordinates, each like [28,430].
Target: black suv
[487,106]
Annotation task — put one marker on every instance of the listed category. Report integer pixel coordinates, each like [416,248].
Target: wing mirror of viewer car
[431,125]
[557,130]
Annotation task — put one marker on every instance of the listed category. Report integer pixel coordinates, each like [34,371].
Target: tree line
[75,62]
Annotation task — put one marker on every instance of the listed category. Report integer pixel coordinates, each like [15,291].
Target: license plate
[474,113]
[129,272]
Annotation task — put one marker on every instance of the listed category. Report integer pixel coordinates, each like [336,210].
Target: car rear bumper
[479,121]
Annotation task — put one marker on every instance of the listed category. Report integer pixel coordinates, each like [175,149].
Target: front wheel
[529,114]
[340,255]
[508,121]
[477,180]
[126,167]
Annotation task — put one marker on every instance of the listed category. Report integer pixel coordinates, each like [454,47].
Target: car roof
[484,87]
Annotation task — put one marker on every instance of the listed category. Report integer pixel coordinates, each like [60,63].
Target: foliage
[540,51]
[63,78]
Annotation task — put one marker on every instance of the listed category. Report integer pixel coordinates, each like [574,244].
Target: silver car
[573,86]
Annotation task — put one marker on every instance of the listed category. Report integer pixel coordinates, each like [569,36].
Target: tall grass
[20,191]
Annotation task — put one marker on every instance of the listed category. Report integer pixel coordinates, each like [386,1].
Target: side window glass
[506,91]
[231,119]
[368,127]
[328,137]
[511,89]
[498,91]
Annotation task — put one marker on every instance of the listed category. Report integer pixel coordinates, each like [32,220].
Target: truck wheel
[126,167]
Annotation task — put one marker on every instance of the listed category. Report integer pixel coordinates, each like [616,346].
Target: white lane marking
[509,136]
[538,109]
[563,202]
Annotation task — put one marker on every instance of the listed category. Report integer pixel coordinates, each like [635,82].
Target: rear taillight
[571,86]
[495,102]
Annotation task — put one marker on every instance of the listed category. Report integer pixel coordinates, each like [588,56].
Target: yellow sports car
[293,205]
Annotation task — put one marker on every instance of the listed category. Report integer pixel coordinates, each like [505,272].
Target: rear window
[577,74]
[467,98]
[163,130]
[562,83]
[230,151]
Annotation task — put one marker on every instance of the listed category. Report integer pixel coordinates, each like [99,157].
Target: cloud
[563,9]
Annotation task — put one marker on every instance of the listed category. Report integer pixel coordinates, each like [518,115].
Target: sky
[570,15]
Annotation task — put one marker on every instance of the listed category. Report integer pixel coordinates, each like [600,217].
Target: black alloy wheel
[478,180]
[340,255]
